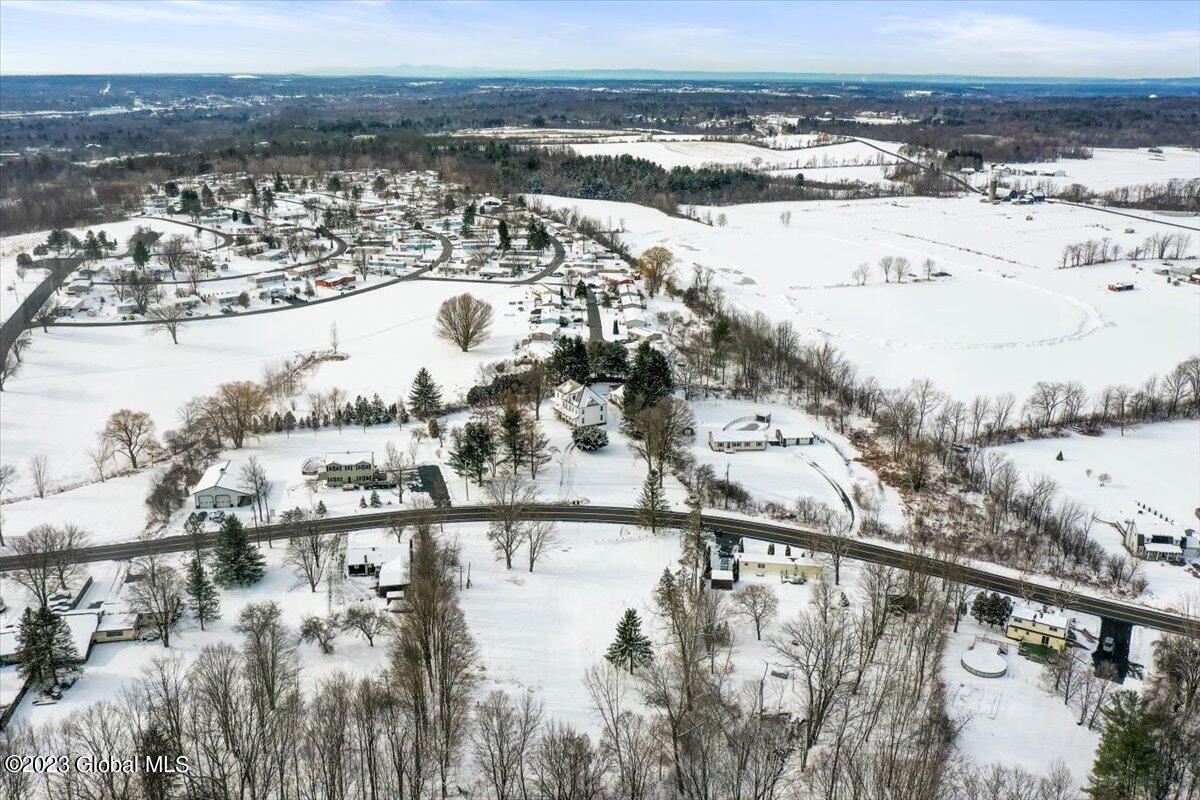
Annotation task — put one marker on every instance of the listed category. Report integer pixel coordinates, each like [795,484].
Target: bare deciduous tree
[465,320]
[39,473]
[157,597]
[166,317]
[657,265]
[758,603]
[130,433]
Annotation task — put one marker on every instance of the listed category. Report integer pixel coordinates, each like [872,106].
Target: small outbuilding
[218,488]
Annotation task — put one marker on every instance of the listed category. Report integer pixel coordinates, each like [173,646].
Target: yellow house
[1038,627]
[784,567]
[117,624]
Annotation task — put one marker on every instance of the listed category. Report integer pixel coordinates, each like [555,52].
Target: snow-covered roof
[1041,617]
[738,436]
[218,476]
[394,572]
[775,558]
[1162,547]
[350,457]
[372,554]
[82,624]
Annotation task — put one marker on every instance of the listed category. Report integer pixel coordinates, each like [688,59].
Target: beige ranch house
[783,567]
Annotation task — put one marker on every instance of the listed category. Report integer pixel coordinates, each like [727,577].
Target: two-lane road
[992,579]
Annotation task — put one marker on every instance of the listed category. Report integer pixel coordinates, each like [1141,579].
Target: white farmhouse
[579,405]
[218,488]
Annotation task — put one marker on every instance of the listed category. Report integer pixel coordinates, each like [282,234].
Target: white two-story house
[579,406]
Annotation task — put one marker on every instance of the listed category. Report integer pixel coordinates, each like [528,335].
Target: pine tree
[238,563]
[505,239]
[649,379]
[425,399]
[1131,760]
[631,648]
[141,256]
[321,510]
[46,646]
[202,594]
[652,506]
[472,451]
[570,360]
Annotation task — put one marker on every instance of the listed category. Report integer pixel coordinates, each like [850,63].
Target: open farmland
[694,154]
[1003,319]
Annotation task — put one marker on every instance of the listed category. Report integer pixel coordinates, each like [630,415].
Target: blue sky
[1067,39]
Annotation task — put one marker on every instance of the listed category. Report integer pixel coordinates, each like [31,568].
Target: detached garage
[218,488]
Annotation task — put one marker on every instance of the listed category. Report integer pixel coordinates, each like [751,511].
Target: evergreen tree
[472,450]
[652,506]
[510,435]
[238,563]
[631,648]
[202,593]
[505,240]
[1131,761]
[141,255]
[425,399]
[46,646]
[608,359]
[570,360]
[649,379]
[321,510]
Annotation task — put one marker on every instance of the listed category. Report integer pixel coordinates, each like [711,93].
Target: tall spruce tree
[425,399]
[46,646]
[649,379]
[238,563]
[652,507]
[202,594]
[570,360]
[631,648]
[505,239]
[1131,761]
[472,451]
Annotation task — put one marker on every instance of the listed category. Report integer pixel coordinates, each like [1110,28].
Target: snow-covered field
[74,378]
[1109,168]
[670,154]
[1156,465]
[1004,319]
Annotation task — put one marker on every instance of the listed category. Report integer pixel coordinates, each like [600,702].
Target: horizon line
[610,73]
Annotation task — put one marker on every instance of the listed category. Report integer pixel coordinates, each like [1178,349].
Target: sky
[1020,39]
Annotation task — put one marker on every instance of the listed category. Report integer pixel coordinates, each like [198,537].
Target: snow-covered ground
[1109,168]
[538,630]
[12,246]
[1012,720]
[74,378]
[1156,465]
[670,154]
[1004,319]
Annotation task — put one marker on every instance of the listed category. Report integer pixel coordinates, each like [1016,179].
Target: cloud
[1023,45]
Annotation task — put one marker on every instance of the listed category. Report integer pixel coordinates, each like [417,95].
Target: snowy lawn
[1157,465]
[74,378]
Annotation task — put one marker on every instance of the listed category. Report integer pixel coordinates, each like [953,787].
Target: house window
[1045,640]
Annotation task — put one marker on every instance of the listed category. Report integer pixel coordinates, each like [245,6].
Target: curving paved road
[980,577]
